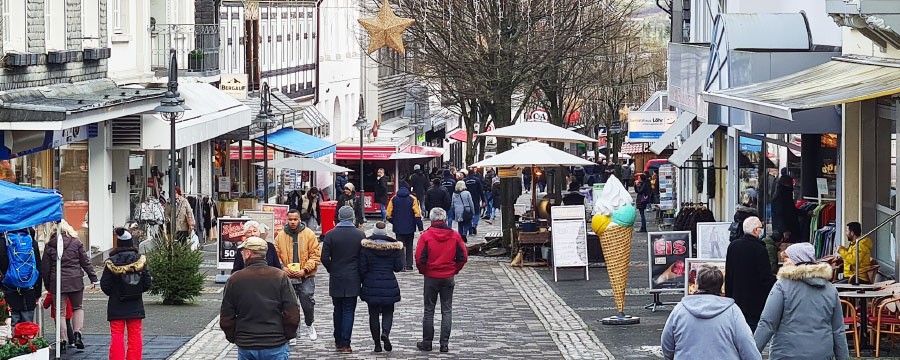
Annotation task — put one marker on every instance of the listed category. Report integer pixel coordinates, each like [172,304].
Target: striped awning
[842,80]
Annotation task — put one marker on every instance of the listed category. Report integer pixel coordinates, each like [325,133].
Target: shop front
[860,161]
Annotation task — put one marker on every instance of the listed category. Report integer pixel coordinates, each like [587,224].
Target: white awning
[692,144]
[840,81]
[212,113]
[669,136]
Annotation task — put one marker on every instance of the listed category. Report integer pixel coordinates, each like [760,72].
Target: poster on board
[231,234]
[667,251]
[280,212]
[569,236]
[265,218]
[693,265]
[713,239]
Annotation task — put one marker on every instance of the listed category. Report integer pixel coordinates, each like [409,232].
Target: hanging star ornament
[386,29]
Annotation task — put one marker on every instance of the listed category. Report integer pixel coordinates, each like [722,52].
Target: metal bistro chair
[850,320]
[885,320]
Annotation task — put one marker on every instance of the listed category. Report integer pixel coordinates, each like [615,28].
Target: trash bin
[328,209]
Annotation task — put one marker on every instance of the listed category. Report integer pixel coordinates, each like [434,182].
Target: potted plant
[248,201]
[227,205]
[195,60]
[34,349]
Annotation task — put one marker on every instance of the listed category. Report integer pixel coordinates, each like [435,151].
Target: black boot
[387,342]
[62,347]
[78,342]
[423,345]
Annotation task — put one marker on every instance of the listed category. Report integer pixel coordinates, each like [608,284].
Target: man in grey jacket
[708,326]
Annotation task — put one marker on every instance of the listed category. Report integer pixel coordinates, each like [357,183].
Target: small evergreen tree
[176,271]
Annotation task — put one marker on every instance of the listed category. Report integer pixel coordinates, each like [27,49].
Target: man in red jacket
[440,255]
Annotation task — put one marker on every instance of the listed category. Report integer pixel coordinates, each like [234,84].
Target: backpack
[22,272]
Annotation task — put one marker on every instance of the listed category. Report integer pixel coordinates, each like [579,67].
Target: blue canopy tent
[23,207]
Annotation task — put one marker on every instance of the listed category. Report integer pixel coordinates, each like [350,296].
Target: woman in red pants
[125,278]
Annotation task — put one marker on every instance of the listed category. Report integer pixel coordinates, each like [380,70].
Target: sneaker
[311,330]
[445,348]
[78,342]
[423,346]
[346,350]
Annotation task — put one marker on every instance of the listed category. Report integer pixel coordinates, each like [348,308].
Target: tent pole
[56,297]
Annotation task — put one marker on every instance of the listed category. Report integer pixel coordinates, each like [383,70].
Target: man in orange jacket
[300,254]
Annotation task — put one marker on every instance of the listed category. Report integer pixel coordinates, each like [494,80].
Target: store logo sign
[234,85]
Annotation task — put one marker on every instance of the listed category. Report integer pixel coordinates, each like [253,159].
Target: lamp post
[170,108]
[263,120]
[362,124]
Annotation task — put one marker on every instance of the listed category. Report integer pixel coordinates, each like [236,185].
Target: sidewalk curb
[208,332]
[571,334]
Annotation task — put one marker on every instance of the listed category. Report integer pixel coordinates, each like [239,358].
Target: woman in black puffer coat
[380,257]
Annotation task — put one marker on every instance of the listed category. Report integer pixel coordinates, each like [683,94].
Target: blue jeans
[383,212]
[450,215]
[344,311]
[643,220]
[475,217]
[21,316]
[464,228]
[276,353]
[489,209]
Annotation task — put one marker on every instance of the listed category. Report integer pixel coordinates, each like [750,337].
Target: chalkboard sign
[231,234]
[569,235]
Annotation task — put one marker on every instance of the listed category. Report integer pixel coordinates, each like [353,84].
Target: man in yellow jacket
[300,254]
[854,230]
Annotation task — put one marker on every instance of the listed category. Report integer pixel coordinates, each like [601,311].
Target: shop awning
[369,152]
[211,113]
[417,152]
[458,135]
[300,143]
[692,144]
[237,152]
[839,81]
[677,127]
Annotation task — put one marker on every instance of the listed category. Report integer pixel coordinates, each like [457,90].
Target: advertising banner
[267,219]
[280,212]
[693,265]
[231,234]
[648,126]
[667,251]
[713,239]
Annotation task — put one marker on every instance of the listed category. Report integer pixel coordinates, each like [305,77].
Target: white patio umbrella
[533,130]
[533,153]
[304,164]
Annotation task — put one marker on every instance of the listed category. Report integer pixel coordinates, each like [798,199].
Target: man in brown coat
[262,299]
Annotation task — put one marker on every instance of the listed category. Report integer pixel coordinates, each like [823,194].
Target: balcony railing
[196,47]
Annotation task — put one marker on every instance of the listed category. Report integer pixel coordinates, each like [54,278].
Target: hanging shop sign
[648,126]
[231,234]
[569,238]
[234,85]
[667,252]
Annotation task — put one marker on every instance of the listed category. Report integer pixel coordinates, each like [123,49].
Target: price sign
[231,234]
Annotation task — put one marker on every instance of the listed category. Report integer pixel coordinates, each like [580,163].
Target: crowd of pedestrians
[262,303]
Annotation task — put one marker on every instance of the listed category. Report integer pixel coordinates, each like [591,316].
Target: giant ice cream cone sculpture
[613,220]
[616,244]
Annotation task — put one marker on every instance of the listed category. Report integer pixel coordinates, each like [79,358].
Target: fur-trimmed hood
[382,245]
[812,274]
[131,267]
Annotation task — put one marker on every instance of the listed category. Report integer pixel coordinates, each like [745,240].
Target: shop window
[55,24]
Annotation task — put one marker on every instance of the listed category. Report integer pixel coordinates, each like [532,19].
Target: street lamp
[171,109]
[262,121]
[362,124]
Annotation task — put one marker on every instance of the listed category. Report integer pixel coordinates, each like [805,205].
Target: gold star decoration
[386,29]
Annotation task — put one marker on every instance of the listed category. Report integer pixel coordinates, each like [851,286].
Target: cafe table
[848,286]
[863,296]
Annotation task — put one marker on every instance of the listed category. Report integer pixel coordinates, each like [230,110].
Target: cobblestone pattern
[570,333]
[491,320]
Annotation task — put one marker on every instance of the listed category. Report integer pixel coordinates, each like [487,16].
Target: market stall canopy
[842,80]
[24,207]
[418,152]
[304,164]
[533,153]
[534,130]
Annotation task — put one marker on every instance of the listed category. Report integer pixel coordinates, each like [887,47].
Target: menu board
[231,234]
[667,252]
[265,218]
[280,212]
[569,237]
[693,266]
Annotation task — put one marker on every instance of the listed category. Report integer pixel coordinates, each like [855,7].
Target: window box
[97,53]
[59,57]
[21,59]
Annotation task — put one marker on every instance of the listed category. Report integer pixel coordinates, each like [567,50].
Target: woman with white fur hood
[803,316]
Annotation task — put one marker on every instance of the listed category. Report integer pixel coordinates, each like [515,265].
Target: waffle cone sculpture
[616,244]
